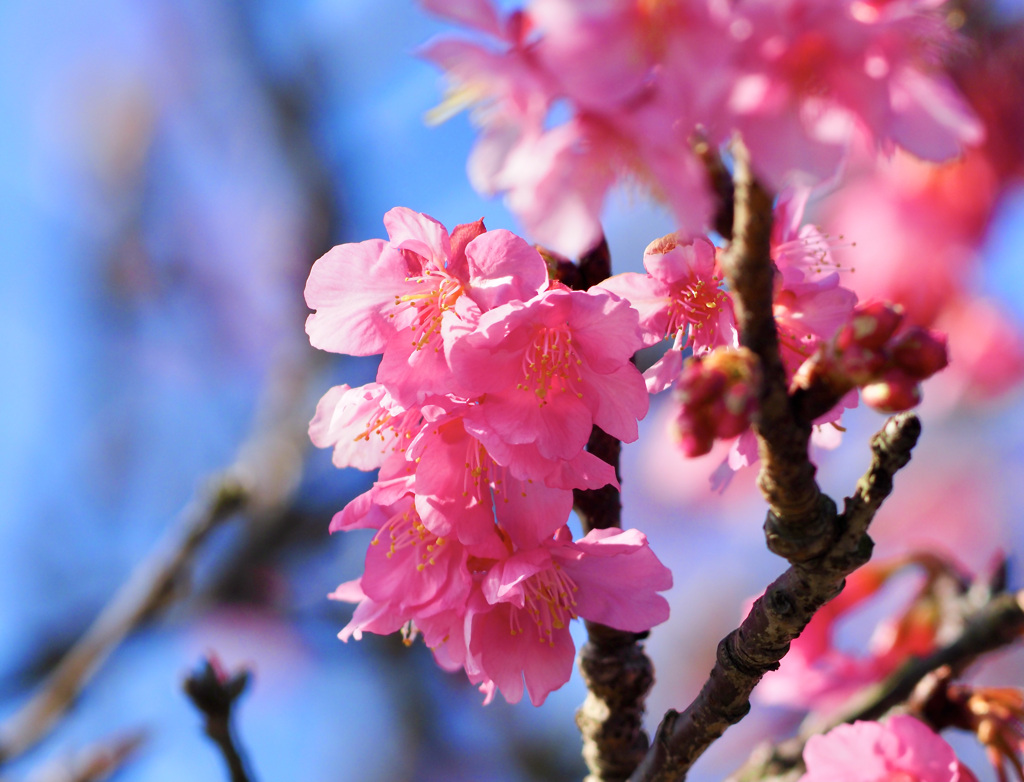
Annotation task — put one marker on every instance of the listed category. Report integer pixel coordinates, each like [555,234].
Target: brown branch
[617,672]
[777,617]
[995,625]
[800,517]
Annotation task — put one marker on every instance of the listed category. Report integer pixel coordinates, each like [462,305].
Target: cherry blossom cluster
[682,298]
[717,396]
[872,352]
[572,96]
[490,381]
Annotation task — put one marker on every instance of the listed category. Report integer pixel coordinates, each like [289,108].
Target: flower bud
[717,395]
[920,352]
[895,392]
[871,326]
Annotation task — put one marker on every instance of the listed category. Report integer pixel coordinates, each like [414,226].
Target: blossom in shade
[901,749]
[810,299]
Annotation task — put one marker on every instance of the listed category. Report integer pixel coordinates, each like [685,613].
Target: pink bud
[920,352]
[860,364]
[895,392]
[871,326]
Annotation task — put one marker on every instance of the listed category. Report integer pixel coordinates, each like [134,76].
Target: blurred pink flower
[901,749]
[808,73]
[916,233]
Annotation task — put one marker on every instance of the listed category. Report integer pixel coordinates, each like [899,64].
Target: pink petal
[352,288]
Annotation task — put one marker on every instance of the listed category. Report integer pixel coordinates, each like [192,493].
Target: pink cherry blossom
[679,298]
[461,491]
[901,749]
[401,298]
[363,425]
[518,622]
[811,72]
[549,369]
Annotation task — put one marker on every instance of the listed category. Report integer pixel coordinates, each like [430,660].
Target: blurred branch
[97,762]
[260,481]
[777,617]
[142,594]
[214,693]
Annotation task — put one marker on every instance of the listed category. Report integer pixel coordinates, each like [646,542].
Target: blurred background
[169,170]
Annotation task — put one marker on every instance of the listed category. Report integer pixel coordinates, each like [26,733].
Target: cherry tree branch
[800,516]
[994,625]
[617,672]
[777,617]
[802,524]
[94,763]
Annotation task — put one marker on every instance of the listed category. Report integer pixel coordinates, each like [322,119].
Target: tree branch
[617,672]
[997,624]
[777,617]
[800,517]
[94,763]
[260,481]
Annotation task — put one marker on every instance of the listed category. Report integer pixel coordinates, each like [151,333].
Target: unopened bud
[920,352]
[895,392]
[717,395]
[871,326]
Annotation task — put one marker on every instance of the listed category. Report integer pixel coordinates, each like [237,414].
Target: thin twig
[143,593]
[94,763]
[214,693]
[776,618]
[261,481]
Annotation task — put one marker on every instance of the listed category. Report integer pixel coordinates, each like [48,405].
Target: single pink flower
[363,425]
[679,298]
[810,300]
[517,625]
[401,298]
[901,749]
[547,370]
